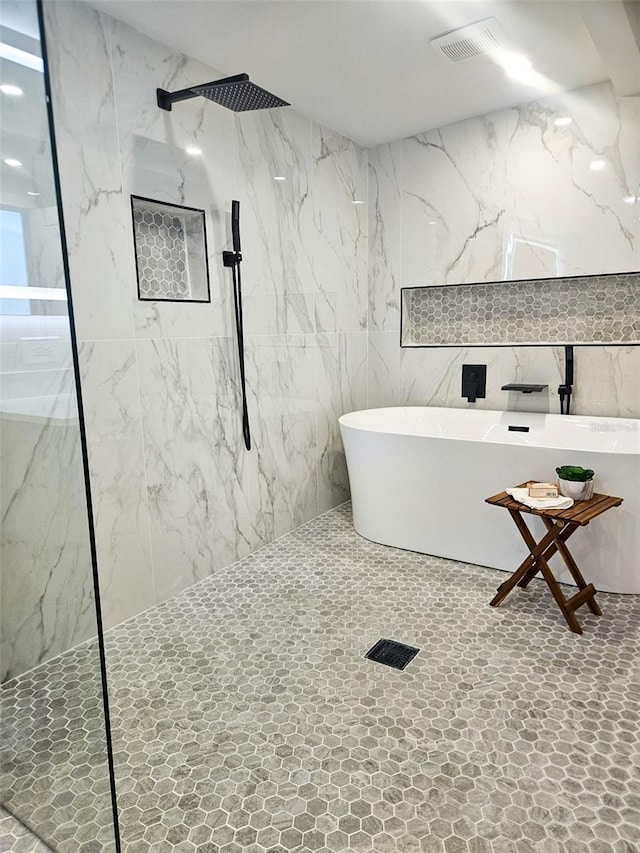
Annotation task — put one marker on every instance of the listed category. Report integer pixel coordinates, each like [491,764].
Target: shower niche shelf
[588,310]
[171,251]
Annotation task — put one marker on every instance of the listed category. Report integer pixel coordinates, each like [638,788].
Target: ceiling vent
[479,39]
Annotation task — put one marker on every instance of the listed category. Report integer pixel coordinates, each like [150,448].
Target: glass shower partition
[55,776]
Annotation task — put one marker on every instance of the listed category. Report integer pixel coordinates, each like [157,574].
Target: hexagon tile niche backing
[170,246]
[597,309]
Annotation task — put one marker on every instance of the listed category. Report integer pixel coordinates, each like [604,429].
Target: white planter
[575,490]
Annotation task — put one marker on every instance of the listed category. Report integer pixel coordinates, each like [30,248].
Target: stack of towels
[522,496]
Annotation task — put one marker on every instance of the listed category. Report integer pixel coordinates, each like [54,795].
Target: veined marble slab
[46,579]
[58,409]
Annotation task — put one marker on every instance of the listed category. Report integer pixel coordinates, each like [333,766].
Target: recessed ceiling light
[630,199]
[11,162]
[597,165]
[30,193]
[432,222]
[355,201]
[193,151]
[279,178]
[563,121]
[10,89]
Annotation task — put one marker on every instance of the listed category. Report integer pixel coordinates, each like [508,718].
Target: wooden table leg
[570,563]
[531,543]
[537,562]
[553,548]
[533,558]
[561,601]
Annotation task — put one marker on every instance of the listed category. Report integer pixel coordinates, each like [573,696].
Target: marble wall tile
[385,236]
[276,219]
[113,423]
[629,132]
[606,382]
[433,377]
[384,386]
[47,586]
[196,467]
[605,385]
[166,380]
[341,380]
[156,164]
[341,223]
[268,314]
[43,256]
[454,185]
[36,368]
[562,217]
[283,404]
[529,181]
[95,209]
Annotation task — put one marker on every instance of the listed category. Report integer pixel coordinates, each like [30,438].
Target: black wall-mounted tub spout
[474,381]
[523,387]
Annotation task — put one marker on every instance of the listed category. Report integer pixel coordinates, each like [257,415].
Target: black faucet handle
[474,381]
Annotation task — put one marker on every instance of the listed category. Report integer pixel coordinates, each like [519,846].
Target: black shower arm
[166,99]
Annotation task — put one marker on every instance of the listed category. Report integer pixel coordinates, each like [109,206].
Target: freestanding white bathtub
[419,477]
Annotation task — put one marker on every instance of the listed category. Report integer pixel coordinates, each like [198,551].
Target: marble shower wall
[46,583]
[505,196]
[176,495]
[46,589]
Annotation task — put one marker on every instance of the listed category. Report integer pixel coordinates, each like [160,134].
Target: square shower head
[239,94]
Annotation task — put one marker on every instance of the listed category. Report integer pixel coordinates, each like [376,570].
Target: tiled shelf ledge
[596,309]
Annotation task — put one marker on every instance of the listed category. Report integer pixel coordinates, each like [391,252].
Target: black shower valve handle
[231,259]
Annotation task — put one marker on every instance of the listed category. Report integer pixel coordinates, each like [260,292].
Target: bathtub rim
[346,421]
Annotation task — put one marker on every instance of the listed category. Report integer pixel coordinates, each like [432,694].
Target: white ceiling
[365,67]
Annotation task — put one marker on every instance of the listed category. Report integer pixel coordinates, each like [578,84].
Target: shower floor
[15,838]
[246,718]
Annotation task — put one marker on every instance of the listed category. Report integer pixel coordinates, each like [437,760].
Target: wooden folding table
[560,525]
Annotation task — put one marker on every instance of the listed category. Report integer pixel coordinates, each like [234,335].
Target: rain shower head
[236,93]
[239,94]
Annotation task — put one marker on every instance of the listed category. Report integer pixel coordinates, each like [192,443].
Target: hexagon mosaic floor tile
[16,838]
[247,720]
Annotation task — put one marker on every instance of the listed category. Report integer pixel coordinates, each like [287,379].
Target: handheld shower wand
[233,260]
[235,228]
[566,389]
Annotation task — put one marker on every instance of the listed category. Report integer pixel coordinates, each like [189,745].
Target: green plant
[574,473]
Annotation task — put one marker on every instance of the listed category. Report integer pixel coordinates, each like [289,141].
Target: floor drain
[392,654]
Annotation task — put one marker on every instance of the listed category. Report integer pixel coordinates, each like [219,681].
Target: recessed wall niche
[171,251]
[580,310]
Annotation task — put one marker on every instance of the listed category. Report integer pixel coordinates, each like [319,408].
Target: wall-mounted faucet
[474,381]
[523,387]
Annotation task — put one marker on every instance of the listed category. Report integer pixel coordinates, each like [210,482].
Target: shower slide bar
[233,260]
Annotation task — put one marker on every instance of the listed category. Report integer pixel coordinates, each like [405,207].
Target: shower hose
[237,304]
